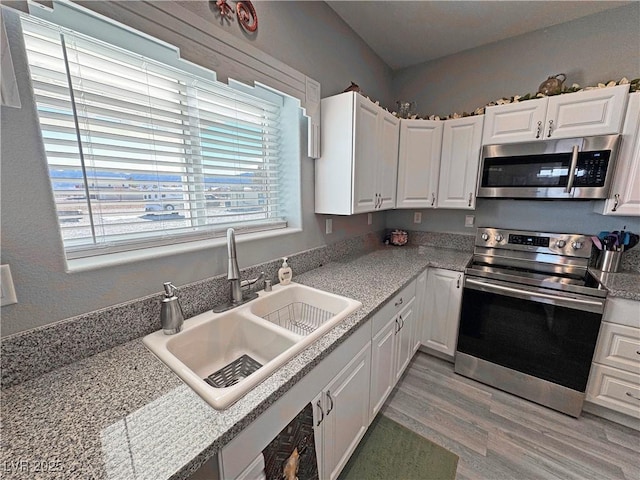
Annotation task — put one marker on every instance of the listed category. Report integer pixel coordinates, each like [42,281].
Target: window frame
[183,239]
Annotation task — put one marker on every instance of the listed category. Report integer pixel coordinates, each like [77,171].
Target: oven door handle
[596,306]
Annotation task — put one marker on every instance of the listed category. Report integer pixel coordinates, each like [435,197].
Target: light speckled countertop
[122,414]
[622,284]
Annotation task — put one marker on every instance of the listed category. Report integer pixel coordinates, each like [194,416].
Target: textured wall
[589,50]
[30,239]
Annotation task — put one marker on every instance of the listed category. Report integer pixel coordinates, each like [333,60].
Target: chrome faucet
[233,272]
[233,275]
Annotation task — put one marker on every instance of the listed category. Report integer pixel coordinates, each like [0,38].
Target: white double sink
[238,349]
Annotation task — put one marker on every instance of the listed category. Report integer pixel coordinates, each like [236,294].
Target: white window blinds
[141,153]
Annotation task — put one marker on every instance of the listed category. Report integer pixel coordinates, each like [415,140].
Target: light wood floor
[500,436]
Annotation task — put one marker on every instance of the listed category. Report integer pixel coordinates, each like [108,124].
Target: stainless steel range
[530,316]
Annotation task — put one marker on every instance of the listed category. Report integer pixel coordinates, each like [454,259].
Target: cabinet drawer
[393,306]
[619,347]
[614,389]
[622,312]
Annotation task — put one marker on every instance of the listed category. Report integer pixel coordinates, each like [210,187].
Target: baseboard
[611,415]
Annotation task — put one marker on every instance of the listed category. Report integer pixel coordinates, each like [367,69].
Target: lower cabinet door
[444,296]
[346,409]
[383,366]
[404,339]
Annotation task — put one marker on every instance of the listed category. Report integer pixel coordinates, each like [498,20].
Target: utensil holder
[609,261]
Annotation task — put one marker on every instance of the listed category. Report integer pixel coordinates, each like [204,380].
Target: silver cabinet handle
[331,404]
[616,203]
[629,394]
[550,127]
[470,198]
[433,199]
[401,322]
[539,130]
[319,405]
[458,282]
[399,302]
[397,329]
[572,169]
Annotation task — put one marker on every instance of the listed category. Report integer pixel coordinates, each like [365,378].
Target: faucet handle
[248,283]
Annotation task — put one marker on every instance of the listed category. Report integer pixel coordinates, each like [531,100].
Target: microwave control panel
[591,169]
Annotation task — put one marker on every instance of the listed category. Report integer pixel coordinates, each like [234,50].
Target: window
[141,153]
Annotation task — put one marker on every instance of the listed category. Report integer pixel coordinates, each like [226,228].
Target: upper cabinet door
[419,163]
[461,141]
[388,161]
[624,198]
[365,154]
[583,114]
[357,171]
[514,122]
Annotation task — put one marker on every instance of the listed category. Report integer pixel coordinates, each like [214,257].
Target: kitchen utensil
[596,241]
[552,85]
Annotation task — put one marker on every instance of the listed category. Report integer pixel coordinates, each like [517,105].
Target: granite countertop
[122,414]
[622,284]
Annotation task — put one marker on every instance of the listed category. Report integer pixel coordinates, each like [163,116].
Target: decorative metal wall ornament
[245,11]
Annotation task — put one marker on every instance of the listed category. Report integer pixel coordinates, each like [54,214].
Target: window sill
[114,259]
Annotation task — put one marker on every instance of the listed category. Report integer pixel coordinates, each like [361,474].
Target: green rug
[390,451]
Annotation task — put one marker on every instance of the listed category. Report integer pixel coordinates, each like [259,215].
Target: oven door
[542,333]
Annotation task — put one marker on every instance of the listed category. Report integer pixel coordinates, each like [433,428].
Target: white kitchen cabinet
[461,141]
[443,301]
[357,171]
[391,347]
[420,309]
[624,198]
[614,380]
[404,337]
[587,113]
[341,414]
[345,375]
[419,163]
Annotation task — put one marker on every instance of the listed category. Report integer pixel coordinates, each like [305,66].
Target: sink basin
[223,356]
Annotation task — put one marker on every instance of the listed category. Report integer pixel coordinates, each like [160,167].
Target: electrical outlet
[369,218]
[7,291]
[329,226]
[469,220]
[417,217]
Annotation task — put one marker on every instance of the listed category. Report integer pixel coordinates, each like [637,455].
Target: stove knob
[484,236]
[561,243]
[499,238]
[577,245]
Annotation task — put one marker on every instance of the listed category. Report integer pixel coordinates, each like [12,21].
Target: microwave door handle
[596,306]
[572,169]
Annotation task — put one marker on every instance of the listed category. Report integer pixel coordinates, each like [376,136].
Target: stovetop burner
[545,260]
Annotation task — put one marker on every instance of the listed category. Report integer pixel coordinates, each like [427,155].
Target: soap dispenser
[171,316]
[285,273]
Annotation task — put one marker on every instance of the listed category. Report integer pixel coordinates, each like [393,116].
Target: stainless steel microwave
[569,168]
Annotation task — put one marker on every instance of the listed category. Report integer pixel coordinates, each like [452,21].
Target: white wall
[296,33]
[589,50]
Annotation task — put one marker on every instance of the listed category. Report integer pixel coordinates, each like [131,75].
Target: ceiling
[405,33]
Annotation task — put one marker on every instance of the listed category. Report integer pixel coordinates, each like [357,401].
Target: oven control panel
[566,244]
[530,240]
